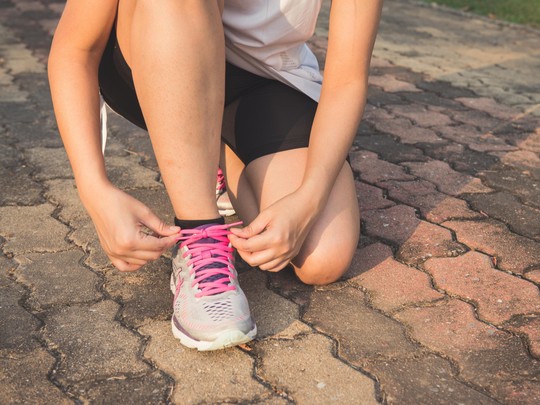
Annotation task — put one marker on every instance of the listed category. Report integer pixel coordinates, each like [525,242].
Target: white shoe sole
[226,212]
[225,339]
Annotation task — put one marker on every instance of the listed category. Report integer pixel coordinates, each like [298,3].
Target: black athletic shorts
[261,116]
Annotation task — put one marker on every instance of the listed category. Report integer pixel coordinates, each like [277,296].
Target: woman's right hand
[123,224]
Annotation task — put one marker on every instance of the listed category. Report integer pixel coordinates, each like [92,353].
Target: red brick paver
[499,296]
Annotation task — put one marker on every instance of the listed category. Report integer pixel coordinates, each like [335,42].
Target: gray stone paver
[57,278]
[447,171]
[312,374]
[209,377]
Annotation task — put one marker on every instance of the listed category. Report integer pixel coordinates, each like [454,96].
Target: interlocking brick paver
[212,377]
[284,312]
[461,158]
[517,182]
[57,278]
[424,380]
[445,178]
[145,294]
[51,163]
[489,106]
[364,334]
[487,357]
[18,188]
[529,325]
[32,229]
[434,206]
[389,149]
[368,257]
[531,142]
[371,198]
[477,119]
[312,374]
[390,84]
[151,388]
[24,380]
[390,284]
[524,160]
[420,115]
[17,327]
[403,128]
[533,275]
[93,343]
[503,206]
[417,239]
[63,193]
[475,139]
[25,134]
[497,295]
[378,345]
[513,252]
[373,170]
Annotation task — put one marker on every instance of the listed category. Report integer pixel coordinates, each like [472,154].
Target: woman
[284,156]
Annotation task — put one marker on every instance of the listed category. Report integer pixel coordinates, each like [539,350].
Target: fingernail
[175,228]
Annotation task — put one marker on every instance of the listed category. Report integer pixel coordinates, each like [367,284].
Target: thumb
[159,227]
[257,226]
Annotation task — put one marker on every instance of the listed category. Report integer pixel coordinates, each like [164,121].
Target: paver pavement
[440,306]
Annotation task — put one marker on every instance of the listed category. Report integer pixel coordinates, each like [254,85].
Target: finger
[257,226]
[144,255]
[150,220]
[124,266]
[253,244]
[256,259]
[152,243]
[277,267]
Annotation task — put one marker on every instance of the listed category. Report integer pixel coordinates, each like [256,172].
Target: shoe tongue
[207,255]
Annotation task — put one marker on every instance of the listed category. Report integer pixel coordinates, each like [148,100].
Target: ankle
[194,223]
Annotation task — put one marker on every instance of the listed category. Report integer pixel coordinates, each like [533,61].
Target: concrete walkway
[441,304]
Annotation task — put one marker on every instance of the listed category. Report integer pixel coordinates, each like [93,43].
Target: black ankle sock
[194,223]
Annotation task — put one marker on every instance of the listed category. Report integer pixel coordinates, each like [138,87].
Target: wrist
[90,187]
[313,195]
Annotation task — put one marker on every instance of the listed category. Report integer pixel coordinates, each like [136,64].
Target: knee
[322,269]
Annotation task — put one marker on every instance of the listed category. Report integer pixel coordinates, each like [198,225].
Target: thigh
[332,242]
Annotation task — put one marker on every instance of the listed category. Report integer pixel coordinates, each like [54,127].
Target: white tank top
[268,38]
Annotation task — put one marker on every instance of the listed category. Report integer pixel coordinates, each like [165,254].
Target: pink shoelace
[210,258]
[220,186]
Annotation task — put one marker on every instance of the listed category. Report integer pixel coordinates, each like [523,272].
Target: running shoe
[224,204]
[210,309]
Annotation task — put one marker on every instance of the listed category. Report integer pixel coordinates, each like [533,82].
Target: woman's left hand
[275,237]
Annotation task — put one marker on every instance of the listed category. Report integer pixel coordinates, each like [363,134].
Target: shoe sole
[225,339]
[227,212]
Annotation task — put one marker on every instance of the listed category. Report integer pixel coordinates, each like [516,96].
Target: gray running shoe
[210,309]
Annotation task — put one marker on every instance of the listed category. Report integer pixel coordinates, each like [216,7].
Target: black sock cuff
[194,223]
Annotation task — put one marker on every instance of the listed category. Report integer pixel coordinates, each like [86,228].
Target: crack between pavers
[378,393]
[454,364]
[282,393]
[475,305]
[40,338]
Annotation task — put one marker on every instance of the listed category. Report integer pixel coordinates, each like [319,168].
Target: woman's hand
[276,236]
[122,224]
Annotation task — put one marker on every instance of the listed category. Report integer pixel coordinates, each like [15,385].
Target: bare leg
[176,52]
[330,246]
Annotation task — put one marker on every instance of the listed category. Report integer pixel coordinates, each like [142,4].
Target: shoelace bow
[209,260]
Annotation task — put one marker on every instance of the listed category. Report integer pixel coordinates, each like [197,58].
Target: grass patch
[517,11]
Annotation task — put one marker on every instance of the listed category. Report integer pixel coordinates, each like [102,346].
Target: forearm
[75,92]
[334,128]
[353,27]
